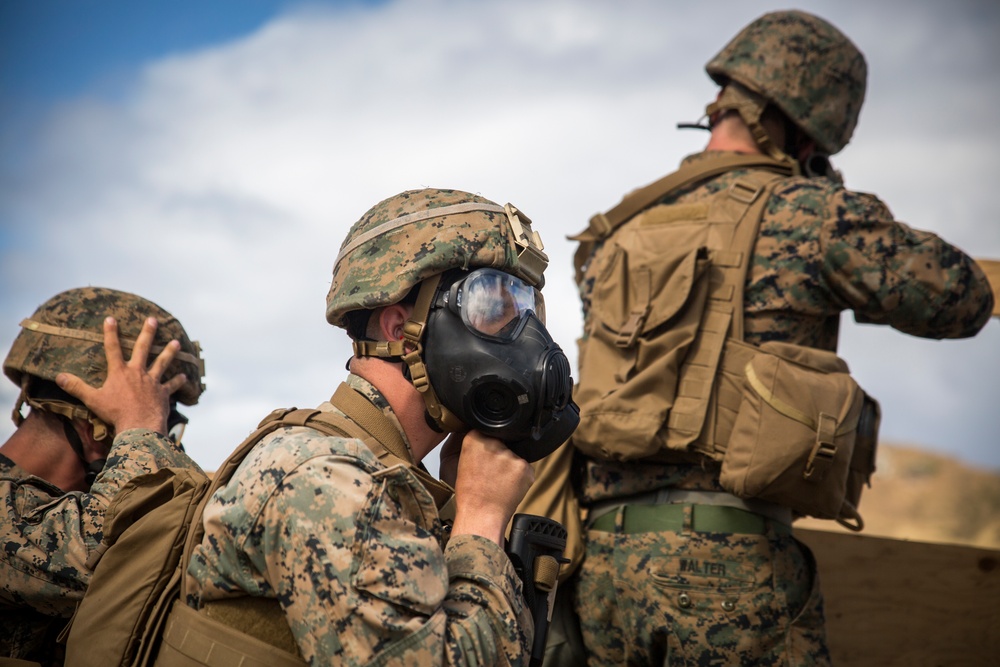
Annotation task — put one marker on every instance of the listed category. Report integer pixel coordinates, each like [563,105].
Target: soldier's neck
[39,446]
[730,133]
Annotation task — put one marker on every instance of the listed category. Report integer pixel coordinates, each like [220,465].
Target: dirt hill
[918,495]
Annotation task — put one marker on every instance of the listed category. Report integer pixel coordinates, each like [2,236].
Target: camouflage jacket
[823,249]
[47,536]
[357,556]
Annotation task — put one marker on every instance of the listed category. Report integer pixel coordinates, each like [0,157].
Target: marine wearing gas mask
[476,346]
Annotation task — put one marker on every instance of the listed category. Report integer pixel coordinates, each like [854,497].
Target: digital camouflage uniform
[356,553]
[821,249]
[357,556]
[47,535]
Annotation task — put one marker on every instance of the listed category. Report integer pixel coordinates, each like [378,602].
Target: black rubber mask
[493,364]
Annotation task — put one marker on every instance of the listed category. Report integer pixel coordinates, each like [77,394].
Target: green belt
[705,519]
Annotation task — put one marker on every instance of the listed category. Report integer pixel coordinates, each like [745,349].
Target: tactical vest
[665,374]
[148,621]
[254,630]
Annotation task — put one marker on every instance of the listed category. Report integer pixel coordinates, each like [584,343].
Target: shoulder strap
[602,224]
[367,423]
[752,192]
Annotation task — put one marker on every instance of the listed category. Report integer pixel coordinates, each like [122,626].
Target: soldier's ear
[391,320]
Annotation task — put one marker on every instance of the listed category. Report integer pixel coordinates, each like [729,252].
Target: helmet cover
[66,334]
[803,65]
[407,238]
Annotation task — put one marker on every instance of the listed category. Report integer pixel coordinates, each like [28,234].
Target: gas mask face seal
[494,365]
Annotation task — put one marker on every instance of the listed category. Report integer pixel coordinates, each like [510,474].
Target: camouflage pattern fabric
[690,599]
[65,335]
[805,66]
[378,266]
[821,250]
[358,557]
[47,536]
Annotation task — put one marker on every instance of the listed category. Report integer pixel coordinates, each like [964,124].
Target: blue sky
[55,48]
[51,50]
[211,156]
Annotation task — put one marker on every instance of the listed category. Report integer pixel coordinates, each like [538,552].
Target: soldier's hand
[132,395]
[490,483]
[450,452]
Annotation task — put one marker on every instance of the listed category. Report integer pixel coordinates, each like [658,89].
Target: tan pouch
[794,436]
[652,274]
[862,463]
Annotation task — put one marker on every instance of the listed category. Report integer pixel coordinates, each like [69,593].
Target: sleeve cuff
[481,560]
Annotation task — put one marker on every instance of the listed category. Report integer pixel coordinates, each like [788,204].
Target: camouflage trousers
[681,597]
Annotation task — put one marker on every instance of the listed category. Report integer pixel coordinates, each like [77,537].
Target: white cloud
[222,183]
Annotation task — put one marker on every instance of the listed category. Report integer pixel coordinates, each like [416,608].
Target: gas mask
[493,364]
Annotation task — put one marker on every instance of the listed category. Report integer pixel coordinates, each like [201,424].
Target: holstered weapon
[535,548]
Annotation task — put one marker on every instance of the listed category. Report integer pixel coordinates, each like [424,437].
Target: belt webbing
[668,496]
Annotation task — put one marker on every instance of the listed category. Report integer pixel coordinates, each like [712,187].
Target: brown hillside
[918,495]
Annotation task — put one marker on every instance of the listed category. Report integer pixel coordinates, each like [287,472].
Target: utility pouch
[795,437]
[654,274]
[862,463]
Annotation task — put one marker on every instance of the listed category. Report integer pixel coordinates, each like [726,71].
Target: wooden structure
[992,269]
[895,602]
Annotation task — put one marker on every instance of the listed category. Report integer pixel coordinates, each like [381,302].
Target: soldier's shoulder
[290,447]
[825,196]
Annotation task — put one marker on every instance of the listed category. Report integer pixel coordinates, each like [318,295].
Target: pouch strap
[640,311]
[824,451]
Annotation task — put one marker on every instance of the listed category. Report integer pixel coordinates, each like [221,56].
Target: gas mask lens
[495,304]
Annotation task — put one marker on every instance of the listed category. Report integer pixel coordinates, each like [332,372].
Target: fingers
[142,344]
[74,386]
[175,383]
[163,359]
[491,481]
[112,347]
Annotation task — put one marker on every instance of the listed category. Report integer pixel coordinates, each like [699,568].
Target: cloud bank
[221,183]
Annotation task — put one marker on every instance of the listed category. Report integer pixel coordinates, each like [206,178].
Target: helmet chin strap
[750,106]
[91,469]
[410,350]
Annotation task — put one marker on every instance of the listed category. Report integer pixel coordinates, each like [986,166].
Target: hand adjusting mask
[494,365]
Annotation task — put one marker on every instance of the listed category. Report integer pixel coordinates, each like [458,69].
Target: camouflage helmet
[803,65]
[407,238]
[66,334]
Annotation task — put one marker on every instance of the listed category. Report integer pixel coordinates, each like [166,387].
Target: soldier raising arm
[712,402]
[66,460]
